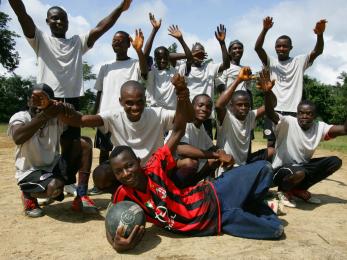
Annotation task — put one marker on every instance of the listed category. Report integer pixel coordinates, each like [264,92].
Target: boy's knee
[55,188]
[103,177]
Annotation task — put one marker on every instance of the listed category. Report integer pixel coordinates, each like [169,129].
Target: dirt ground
[312,232]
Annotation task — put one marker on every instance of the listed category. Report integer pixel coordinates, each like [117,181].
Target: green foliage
[9,57]
[173,48]
[87,102]
[13,95]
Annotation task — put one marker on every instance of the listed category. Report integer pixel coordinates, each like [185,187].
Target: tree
[88,100]
[14,93]
[9,57]
[173,48]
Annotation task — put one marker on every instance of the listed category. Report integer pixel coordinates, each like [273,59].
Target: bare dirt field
[312,232]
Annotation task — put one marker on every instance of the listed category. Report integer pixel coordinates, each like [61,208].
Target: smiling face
[127,170]
[120,42]
[240,106]
[236,52]
[283,46]
[133,100]
[306,116]
[202,107]
[57,21]
[161,56]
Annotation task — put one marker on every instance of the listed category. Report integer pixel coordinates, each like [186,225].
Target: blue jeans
[241,193]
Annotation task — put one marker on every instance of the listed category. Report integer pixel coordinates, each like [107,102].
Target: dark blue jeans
[241,194]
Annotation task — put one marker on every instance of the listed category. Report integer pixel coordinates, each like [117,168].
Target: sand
[311,231]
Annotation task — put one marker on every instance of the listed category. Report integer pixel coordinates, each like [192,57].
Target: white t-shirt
[234,136]
[294,145]
[110,79]
[41,151]
[198,138]
[229,75]
[201,79]
[60,62]
[289,76]
[144,136]
[160,90]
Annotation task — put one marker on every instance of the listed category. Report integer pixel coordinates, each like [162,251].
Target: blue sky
[198,20]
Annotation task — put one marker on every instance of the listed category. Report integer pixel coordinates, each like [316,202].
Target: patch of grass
[87,131]
[3,128]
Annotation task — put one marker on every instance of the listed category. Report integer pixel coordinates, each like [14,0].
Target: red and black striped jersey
[194,210]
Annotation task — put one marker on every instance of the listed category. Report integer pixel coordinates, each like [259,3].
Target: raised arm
[137,43]
[220,36]
[105,24]
[225,97]
[267,24]
[319,31]
[156,26]
[175,32]
[184,106]
[25,20]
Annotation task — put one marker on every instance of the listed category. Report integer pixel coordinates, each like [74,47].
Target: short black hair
[122,148]
[45,88]
[127,36]
[285,37]
[234,42]
[198,44]
[156,51]
[55,7]
[201,95]
[308,103]
[240,93]
[132,84]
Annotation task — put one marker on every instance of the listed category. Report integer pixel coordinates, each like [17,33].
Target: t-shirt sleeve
[106,118]
[17,119]
[325,130]
[99,83]
[84,40]
[304,61]
[213,69]
[35,41]
[181,68]
[167,117]
[162,158]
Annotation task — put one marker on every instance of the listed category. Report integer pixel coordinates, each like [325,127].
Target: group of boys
[157,121]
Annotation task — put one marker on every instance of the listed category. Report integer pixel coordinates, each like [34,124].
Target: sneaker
[95,191]
[31,207]
[306,196]
[84,204]
[70,190]
[285,199]
[273,204]
[44,201]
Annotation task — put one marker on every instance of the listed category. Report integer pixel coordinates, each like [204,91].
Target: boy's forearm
[149,43]
[225,56]
[143,64]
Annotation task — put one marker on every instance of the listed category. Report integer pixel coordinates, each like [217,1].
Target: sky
[198,20]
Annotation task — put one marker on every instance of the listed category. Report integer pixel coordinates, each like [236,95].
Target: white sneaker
[70,190]
[285,200]
[314,200]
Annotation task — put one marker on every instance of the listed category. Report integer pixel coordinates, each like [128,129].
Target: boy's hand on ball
[121,244]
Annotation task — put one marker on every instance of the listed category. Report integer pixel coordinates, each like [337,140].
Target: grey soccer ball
[124,213]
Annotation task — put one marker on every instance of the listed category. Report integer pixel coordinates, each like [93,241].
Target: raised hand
[179,82]
[320,27]
[245,74]
[264,82]
[126,5]
[267,23]
[220,33]
[137,43]
[175,32]
[155,23]
[40,99]
[120,243]
[199,55]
